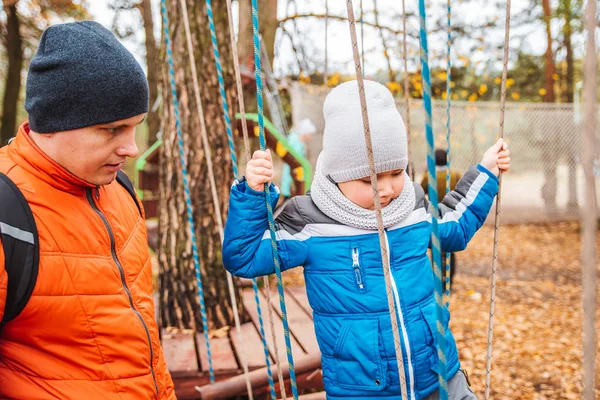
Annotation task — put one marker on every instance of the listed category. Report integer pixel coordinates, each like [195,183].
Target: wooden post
[589,217]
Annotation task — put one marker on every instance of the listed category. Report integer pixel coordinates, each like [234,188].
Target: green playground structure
[277,142]
[146,166]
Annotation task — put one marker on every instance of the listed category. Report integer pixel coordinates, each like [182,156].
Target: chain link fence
[546,180]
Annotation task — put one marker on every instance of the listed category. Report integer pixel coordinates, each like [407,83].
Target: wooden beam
[259,378]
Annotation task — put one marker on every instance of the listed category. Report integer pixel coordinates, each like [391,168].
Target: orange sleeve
[3,282]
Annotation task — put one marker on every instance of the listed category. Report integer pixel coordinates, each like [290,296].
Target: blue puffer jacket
[346,286]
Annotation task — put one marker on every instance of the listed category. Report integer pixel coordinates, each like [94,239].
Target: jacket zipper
[356,268]
[122,273]
[400,315]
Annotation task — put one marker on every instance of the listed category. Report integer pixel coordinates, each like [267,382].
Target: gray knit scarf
[330,200]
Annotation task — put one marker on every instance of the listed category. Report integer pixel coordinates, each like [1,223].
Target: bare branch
[297,32]
[338,18]
[386,52]
[294,49]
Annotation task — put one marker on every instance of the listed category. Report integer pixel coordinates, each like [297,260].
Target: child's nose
[385,189]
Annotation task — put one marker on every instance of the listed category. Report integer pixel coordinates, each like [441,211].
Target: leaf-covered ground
[537,348]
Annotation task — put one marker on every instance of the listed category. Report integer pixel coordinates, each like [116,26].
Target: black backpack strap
[20,243]
[21,247]
[126,183]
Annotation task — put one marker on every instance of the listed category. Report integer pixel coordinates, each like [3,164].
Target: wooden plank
[222,354]
[253,346]
[179,352]
[250,306]
[301,325]
[299,294]
[313,396]
[185,386]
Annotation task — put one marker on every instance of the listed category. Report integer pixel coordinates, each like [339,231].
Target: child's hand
[259,170]
[497,158]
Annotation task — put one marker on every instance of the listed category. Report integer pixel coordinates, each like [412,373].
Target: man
[87,330]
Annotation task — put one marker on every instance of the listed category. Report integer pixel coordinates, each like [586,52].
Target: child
[332,232]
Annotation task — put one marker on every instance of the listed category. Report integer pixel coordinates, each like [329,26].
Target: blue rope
[448,103]
[433,197]
[213,35]
[186,187]
[261,124]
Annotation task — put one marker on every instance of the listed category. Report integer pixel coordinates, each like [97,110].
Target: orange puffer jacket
[88,331]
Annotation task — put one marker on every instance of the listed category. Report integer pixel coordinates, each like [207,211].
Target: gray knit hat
[344,155]
[81,76]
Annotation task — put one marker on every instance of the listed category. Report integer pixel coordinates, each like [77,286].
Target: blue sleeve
[464,210]
[247,248]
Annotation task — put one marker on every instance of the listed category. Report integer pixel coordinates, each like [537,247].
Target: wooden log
[259,378]
[313,396]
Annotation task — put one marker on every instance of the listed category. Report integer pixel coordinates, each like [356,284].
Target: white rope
[406,90]
[488,367]
[213,186]
[362,34]
[240,90]
[380,228]
[325,72]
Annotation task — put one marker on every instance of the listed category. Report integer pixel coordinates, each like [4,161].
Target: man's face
[94,153]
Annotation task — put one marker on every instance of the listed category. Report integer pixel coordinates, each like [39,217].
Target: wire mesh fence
[546,178]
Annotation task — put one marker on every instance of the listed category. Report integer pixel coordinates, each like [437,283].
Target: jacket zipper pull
[356,266]
[97,193]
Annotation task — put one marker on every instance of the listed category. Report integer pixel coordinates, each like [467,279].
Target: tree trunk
[152,64]
[13,77]
[549,163]
[549,58]
[568,31]
[179,294]
[570,94]
[268,24]
[245,42]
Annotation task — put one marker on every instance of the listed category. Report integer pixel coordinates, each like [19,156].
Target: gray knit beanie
[81,76]
[344,155]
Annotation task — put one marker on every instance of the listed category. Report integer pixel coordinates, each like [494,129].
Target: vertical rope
[406,90]
[238,81]
[448,104]
[261,124]
[433,198]
[325,73]
[380,229]
[235,176]
[488,366]
[240,91]
[186,187]
[213,185]
[213,36]
[590,214]
[263,336]
[362,34]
